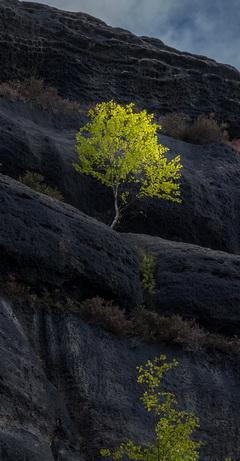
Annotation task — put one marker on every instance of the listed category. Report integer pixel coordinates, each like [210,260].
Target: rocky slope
[68,388]
[194,282]
[47,244]
[88,60]
[209,214]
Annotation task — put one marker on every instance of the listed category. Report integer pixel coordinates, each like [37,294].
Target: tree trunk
[117,214]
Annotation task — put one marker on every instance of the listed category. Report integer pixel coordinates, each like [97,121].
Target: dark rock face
[68,389]
[209,214]
[194,282]
[47,244]
[52,245]
[26,396]
[33,140]
[88,60]
[31,408]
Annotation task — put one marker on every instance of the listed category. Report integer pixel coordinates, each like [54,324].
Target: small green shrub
[205,129]
[36,182]
[173,428]
[147,272]
[38,93]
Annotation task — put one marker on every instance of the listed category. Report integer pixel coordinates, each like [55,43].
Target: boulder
[51,245]
[209,214]
[34,140]
[193,282]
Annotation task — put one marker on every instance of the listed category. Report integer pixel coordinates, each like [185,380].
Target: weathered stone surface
[33,140]
[88,60]
[194,282]
[209,214]
[30,403]
[72,388]
[67,388]
[48,244]
[85,379]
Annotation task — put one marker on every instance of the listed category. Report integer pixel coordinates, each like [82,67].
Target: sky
[207,27]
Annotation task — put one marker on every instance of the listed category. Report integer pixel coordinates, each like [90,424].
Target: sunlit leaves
[119,146]
[173,427]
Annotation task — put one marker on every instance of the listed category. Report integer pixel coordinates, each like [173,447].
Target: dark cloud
[209,27]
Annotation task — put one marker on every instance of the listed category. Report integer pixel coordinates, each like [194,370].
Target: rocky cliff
[68,387]
[90,61]
[208,216]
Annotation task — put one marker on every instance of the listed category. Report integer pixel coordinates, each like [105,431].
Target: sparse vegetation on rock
[141,322]
[105,314]
[35,91]
[205,129]
[36,182]
[235,144]
[147,270]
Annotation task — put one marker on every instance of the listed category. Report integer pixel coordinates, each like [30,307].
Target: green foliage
[119,147]
[36,182]
[173,427]
[147,271]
